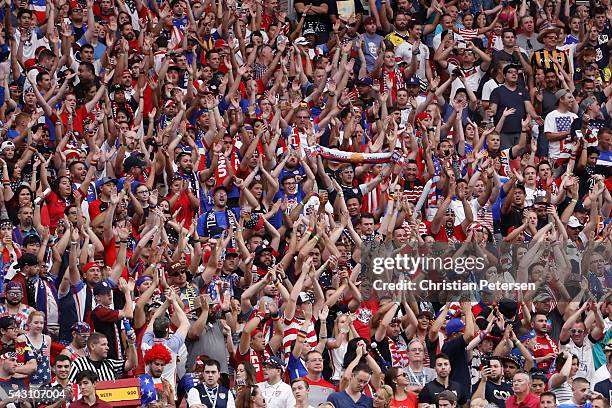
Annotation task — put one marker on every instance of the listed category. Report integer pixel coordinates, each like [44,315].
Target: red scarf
[399,356]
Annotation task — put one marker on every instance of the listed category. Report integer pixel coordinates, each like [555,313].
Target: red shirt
[95,210]
[442,236]
[186,213]
[531,401]
[544,346]
[367,310]
[77,121]
[409,402]
[98,404]
[56,207]
[321,383]
[255,358]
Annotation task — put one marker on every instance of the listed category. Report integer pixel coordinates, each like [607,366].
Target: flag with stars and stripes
[148,393]
[563,123]
[187,382]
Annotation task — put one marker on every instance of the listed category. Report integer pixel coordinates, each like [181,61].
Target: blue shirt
[342,399]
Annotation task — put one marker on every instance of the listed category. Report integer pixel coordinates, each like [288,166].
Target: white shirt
[278,395]
[487,88]
[404,51]
[31,44]
[586,364]
[559,122]
[472,78]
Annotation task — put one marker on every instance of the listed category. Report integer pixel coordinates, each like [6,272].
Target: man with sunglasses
[577,340]
[78,346]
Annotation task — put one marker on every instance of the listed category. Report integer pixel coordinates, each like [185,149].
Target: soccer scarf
[221,174]
[399,352]
[213,227]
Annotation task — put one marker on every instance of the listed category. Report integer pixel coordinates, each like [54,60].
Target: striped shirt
[545,59]
[106,370]
[290,332]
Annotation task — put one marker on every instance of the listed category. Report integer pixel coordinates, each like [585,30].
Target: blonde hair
[34,314]
[387,394]
[478,402]
[336,330]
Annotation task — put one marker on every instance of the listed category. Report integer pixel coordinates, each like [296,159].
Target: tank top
[42,375]
[563,393]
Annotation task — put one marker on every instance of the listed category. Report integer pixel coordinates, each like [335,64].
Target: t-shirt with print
[557,122]
[544,346]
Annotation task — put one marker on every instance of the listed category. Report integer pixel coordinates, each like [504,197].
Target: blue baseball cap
[454,326]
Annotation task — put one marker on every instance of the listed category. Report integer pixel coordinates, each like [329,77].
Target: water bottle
[129,332]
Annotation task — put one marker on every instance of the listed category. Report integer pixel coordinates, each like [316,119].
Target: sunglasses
[576,331]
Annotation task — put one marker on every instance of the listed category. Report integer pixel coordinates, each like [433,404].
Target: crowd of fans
[194,193]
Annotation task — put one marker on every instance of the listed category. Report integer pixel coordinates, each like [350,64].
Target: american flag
[563,123]
[148,393]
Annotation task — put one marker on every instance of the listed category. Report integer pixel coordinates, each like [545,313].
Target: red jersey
[544,346]
[409,402]
[458,235]
[367,310]
[257,359]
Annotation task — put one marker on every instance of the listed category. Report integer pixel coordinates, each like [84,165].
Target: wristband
[123,242]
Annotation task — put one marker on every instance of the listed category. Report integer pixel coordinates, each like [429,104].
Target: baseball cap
[423,116]
[102,288]
[454,326]
[261,249]
[301,41]
[304,297]
[540,199]
[364,82]
[220,187]
[527,336]
[608,346]
[105,180]
[11,355]
[28,260]
[511,359]
[308,31]
[6,144]
[13,286]
[574,222]
[561,93]
[542,297]
[509,67]
[586,102]
[81,328]
[133,161]
[274,362]
[142,280]
[426,313]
